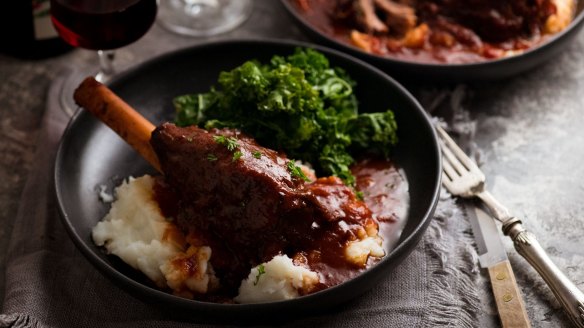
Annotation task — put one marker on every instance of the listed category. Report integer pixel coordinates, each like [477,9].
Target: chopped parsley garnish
[296,171]
[297,104]
[359,195]
[257,154]
[261,271]
[230,143]
[237,155]
[211,157]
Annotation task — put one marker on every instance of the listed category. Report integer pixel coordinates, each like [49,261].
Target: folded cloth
[50,284]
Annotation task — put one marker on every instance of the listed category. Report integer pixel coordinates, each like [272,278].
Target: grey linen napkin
[50,284]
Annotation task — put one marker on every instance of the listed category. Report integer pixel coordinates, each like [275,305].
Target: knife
[492,255]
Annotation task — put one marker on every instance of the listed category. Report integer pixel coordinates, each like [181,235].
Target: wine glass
[203,17]
[101,25]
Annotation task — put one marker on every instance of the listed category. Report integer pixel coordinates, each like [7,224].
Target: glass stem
[106,65]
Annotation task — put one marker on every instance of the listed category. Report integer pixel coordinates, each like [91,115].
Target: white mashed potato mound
[179,279]
[135,231]
[563,16]
[359,251]
[368,243]
[276,280]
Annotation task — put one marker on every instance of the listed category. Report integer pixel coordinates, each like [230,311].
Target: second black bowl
[409,71]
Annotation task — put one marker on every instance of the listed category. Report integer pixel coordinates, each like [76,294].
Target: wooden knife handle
[509,301]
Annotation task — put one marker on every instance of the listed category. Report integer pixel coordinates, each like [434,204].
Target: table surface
[527,131]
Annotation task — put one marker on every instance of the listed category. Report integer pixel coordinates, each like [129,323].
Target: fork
[463,178]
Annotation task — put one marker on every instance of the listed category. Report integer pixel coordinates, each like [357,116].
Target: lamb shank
[245,202]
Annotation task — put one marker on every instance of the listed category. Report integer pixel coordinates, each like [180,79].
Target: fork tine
[460,175]
[447,181]
[449,170]
[451,160]
[453,147]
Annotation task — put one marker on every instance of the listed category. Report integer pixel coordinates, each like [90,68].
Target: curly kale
[297,104]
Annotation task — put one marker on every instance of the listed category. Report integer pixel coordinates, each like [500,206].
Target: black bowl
[410,71]
[91,155]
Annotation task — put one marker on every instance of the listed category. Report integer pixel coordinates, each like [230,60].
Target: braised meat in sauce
[249,204]
[451,31]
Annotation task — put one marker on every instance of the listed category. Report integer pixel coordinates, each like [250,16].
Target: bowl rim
[110,270]
[531,51]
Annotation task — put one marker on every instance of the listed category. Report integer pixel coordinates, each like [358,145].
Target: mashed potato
[136,231]
[359,251]
[564,15]
[276,280]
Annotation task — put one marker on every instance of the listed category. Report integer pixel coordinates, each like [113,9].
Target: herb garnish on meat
[298,104]
[237,155]
[230,143]
[211,157]
[296,171]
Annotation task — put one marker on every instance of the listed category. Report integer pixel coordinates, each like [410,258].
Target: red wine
[102,24]
[26,30]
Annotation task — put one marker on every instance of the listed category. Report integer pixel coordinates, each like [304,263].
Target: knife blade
[492,256]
